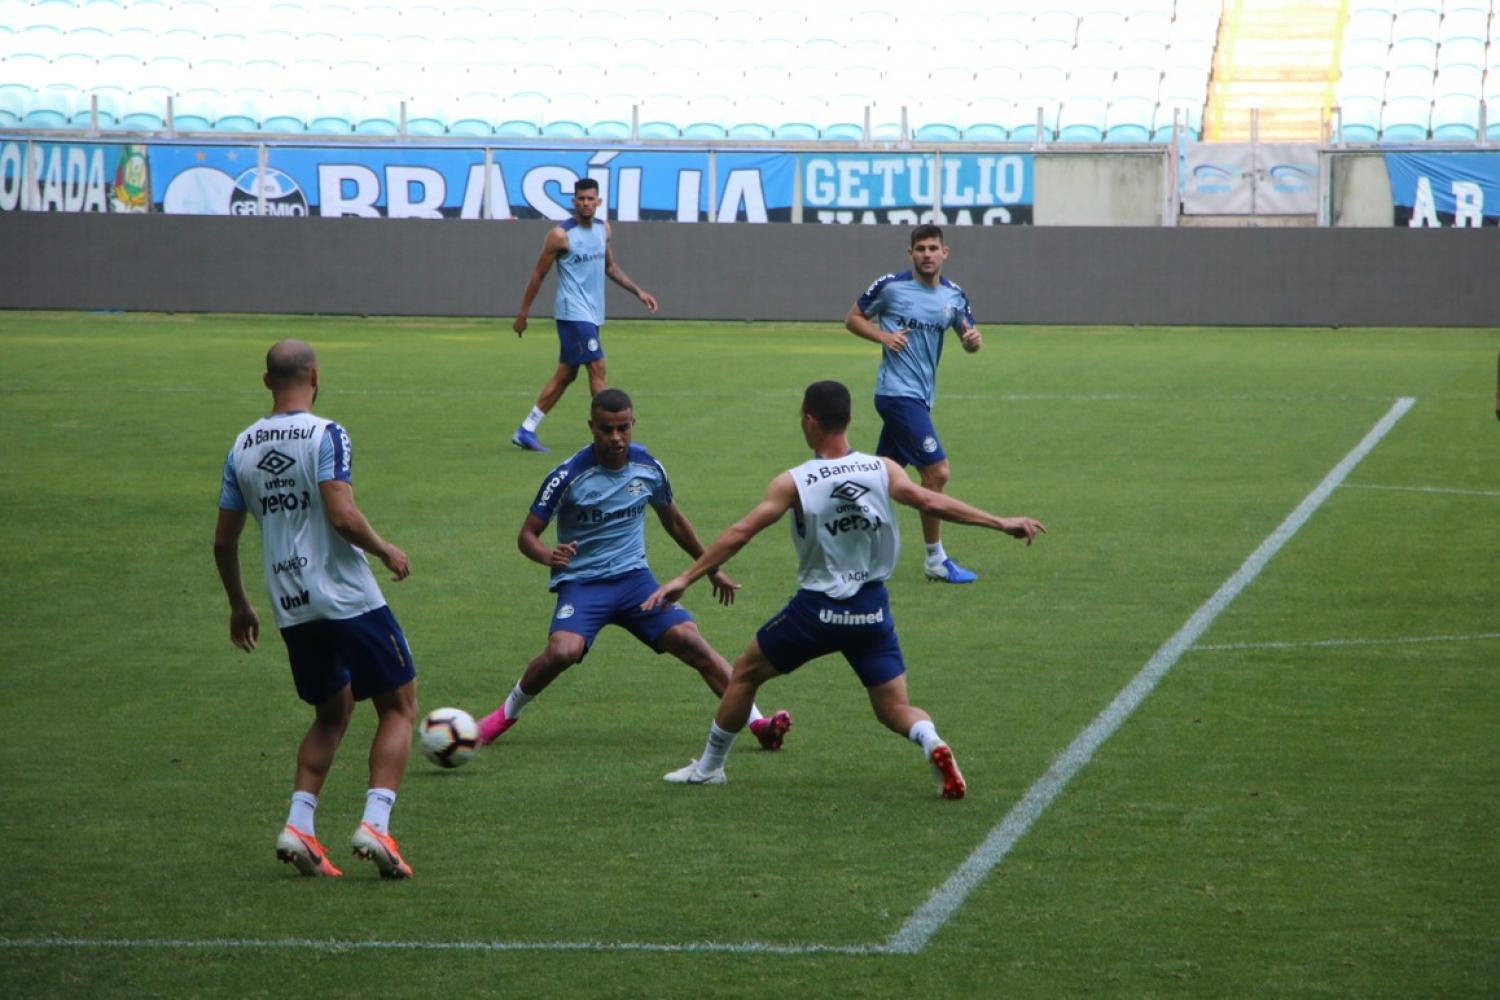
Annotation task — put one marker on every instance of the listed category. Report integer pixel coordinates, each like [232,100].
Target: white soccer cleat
[690,775]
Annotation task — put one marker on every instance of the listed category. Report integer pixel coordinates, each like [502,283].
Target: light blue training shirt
[603,511]
[901,302]
[580,274]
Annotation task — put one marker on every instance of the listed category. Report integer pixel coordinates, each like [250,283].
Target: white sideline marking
[1423,489]
[1399,641]
[945,901]
[316,944]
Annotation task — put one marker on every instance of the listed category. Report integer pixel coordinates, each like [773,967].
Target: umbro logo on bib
[849,491]
[275,462]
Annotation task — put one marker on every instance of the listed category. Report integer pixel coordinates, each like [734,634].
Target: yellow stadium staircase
[1281,56]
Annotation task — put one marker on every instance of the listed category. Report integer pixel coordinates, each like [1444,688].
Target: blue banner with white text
[1445,189]
[425,183]
[41,176]
[900,188]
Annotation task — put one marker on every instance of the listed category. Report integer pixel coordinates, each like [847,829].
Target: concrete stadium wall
[1045,275]
[1099,189]
[1361,190]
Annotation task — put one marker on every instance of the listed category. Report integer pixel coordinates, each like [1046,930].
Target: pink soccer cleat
[492,725]
[771,730]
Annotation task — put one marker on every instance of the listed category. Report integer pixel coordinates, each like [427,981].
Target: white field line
[1326,643]
[1424,489]
[318,944]
[946,900]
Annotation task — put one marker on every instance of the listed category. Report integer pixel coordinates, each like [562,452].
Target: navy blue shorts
[368,652]
[584,607]
[578,342]
[814,625]
[907,434]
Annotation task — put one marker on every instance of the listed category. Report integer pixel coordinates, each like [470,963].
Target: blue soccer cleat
[951,572]
[526,440]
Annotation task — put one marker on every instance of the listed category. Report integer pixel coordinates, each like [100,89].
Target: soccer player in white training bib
[908,315]
[293,472]
[581,249]
[845,535]
[598,499]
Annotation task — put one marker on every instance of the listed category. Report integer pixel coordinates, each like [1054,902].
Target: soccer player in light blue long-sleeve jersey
[598,499]
[580,248]
[908,315]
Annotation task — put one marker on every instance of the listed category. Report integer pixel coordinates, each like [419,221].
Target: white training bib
[846,534]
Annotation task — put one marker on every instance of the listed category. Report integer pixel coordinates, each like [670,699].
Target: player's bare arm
[780,497]
[555,245]
[861,325]
[946,508]
[971,338]
[345,517]
[244,623]
[529,541]
[615,273]
[676,524]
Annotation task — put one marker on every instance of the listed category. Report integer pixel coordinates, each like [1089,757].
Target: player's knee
[935,477]
[564,650]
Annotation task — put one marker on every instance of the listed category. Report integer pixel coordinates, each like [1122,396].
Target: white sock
[533,419]
[301,815]
[516,701]
[378,802]
[935,554]
[755,715]
[925,734]
[716,750]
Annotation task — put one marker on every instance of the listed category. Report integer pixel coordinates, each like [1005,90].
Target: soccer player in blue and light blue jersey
[598,499]
[908,315]
[292,472]
[581,249]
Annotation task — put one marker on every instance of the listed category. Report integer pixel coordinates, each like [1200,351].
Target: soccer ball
[449,736]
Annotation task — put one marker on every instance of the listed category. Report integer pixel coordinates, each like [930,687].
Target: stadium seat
[1492,118]
[1418,25]
[1025,129]
[49,108]
[378,114]
[1091,81]
[1129,119]
[1368,25]
[1365,52]
[196,109]
[1055,25]
[242,110]
[1461,52]
[289,111]
[334,114]
[1459,80]
[1082,119]
[1455,118]
[1361,81]
[1405,119]
[1101,26]
[1409,81]
[105,103]
[1188,112]
[1471,24]
[1360,119]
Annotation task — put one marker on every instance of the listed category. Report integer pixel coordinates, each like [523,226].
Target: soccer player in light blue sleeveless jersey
[846,542]
[292,471]
[908,315]
[581,249]
[598,500]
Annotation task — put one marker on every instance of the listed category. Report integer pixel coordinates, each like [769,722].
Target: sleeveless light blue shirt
[580,274]
[901,302]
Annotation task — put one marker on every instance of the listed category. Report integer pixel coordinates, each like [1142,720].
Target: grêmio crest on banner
[415,183]
[72,177]
[911,188]
[1461,190]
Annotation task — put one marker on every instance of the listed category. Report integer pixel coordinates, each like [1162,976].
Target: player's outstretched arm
[244,623]
[555,243]
[345,517]
[779,498]
[947,508]
[676,524]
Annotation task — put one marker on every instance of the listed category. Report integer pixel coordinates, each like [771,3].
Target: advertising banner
[1218,179]
[425,183]
[1286,178]
[72,177]
[1445,189]
[907,189]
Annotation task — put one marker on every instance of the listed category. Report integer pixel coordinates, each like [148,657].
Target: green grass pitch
[1307,804]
